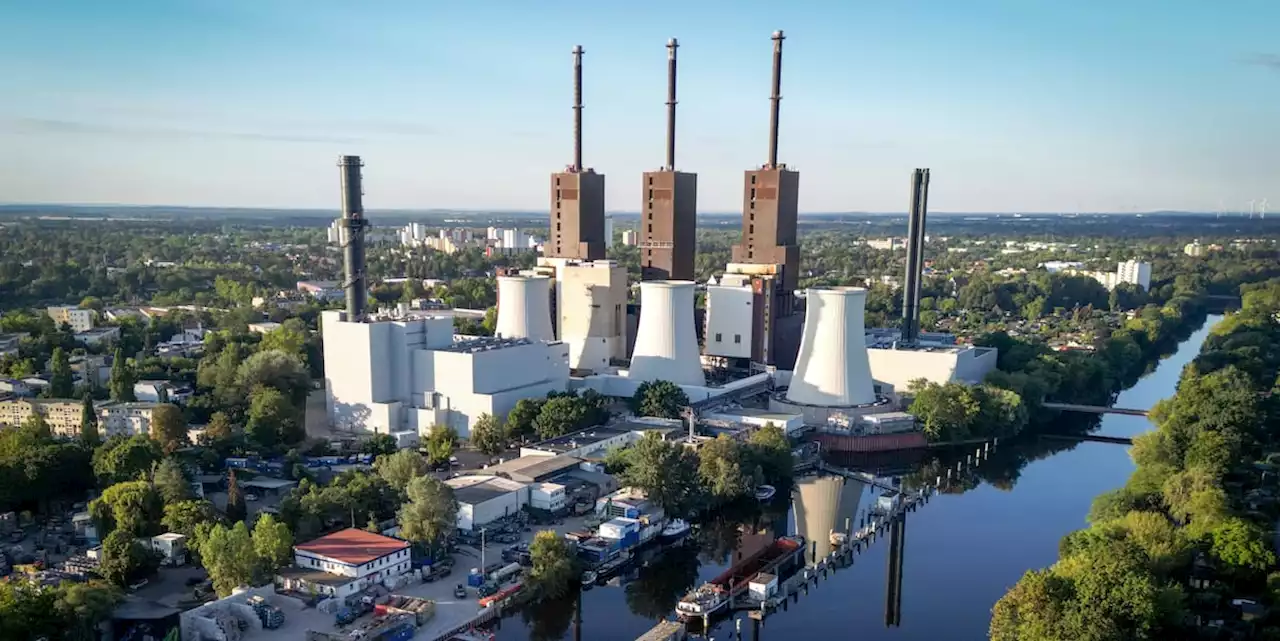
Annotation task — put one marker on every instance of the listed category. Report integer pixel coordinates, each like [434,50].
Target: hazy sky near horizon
[1086,105]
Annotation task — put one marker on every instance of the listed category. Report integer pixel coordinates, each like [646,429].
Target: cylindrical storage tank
[666,346]
[832,367]
[524,308]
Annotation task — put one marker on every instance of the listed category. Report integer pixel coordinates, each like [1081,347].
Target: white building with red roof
[345,562]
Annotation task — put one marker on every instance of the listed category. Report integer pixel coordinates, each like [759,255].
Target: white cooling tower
[832,368]
[666,346]
[524,308]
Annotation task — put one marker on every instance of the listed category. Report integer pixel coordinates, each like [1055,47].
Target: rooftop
[473,345]
[781,417]
[533,467]
[479,489]
[353,546]
[593,435]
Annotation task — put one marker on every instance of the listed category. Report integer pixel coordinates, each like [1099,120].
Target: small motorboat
[588,578]
[674,530]
[765,492]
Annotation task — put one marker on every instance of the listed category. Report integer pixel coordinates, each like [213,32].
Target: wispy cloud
[82,128]
[1265,60]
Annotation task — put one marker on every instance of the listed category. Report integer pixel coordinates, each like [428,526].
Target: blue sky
[1080,105]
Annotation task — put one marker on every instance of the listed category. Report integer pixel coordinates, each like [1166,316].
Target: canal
[961,551]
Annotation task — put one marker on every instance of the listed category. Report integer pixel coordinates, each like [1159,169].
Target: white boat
[704,601]
[765,492]
[588,577]
[674,530]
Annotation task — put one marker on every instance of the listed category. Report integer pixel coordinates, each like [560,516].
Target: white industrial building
[789,423]
[936,364]
[408,374]
[666,341]
[483,499]
[345,562]
[729,316]
[591,310]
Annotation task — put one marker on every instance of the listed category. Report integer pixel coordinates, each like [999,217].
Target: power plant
[832,368]
[668,224]
[563,324]
[524,308]
[666,346]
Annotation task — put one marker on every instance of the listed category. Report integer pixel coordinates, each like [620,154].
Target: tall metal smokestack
[915,255]
[672,45]
[775,99]
[577,109]
[354,224]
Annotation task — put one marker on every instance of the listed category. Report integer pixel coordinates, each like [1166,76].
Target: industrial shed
[483,499]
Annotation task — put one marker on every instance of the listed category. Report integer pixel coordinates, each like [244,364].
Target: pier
[1093,409]
[1099,438]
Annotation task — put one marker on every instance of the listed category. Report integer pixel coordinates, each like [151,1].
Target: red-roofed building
[345,562]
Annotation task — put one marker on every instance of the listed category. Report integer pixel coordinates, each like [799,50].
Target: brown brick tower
[669,204]
[577,195]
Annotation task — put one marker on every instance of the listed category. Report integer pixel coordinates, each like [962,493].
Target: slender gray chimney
[775,99]
[577,109]
[354,224]
[915,255]
[672,45]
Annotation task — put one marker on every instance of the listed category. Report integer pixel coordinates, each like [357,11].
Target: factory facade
[405,375]
[346,562]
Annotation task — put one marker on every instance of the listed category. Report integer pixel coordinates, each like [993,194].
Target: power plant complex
[562,325]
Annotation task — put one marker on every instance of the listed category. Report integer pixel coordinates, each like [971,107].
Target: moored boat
[674,530]
[765,492]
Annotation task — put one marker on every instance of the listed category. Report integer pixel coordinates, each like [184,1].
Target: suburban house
[344,563]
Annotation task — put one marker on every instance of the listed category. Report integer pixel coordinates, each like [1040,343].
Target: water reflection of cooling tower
[822,503]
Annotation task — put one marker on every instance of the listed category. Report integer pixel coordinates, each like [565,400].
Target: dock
[1092,409]
[665,631]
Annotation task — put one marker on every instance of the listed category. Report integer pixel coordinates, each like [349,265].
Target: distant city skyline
[1084,106]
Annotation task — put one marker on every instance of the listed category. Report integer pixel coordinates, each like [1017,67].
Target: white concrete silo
[832,368]
[666,345]
[524,308]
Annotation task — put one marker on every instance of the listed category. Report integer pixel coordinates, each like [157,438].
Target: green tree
[124,560]
[400,468]
[278,370]
[89,422]
[948,411]
[229,556]
[487,436]
[440,444]
[290,338]
[236,510]
[83,607]
[430,513]
[168,427]
[134,507]
[219,427]
[378,445]
[1242,546]
[36,425]
[666,472]
[553,565]
[125,459]
[171,482]
[659,398]
[122,378]
[272,544]
[184,517]
[723,470]
[522,419]
[61,381]
[561,415]
[771,450]
[273,419]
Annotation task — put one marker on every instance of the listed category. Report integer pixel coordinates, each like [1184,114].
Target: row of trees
[1198,492]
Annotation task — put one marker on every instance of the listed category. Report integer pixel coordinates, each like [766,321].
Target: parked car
[460,592]
[251,497]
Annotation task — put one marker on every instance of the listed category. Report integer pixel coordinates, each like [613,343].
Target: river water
[961,551]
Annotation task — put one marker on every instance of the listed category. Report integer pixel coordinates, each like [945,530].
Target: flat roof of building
[533,467]
[474,490]
[267,483]
[761,414]
[353,546]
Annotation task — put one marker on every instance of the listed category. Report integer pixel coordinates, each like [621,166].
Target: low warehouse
[483,499]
